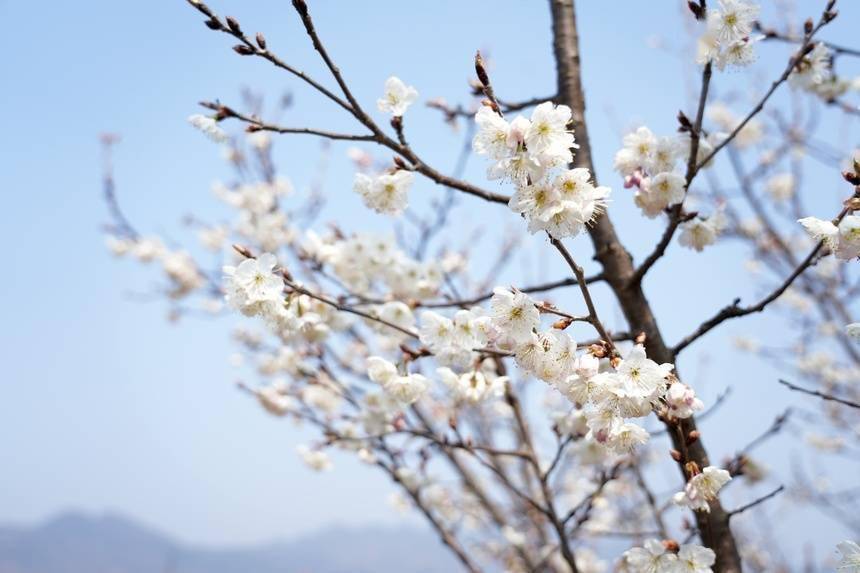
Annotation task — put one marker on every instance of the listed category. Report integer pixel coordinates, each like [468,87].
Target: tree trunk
[618,268]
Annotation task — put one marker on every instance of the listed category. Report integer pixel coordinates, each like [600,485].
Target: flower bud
[243,50]
[233,24]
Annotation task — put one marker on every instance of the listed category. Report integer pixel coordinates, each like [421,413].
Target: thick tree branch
[618,269]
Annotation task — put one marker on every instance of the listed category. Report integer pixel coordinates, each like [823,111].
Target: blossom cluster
[256,288]
[814,73]
[728,39]
[533,154]
[607,393]
[178,266]
[367,261]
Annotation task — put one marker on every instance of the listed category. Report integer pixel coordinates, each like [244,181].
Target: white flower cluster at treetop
[534,154]
[727,40]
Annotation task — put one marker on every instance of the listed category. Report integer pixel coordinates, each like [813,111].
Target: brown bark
[619,270]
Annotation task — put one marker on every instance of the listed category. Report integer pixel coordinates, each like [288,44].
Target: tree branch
[821,395]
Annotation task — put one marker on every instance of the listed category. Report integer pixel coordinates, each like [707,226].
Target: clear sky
[106,406]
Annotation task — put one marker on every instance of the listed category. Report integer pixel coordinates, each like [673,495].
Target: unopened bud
[676,455]
[398,161]
[301,7]
[481,70]
[243,50]
[851,177]
[640,338]
[692,469]
[214,24]
[852,204]
[243,251]
[684,122]
[597,350]
[562,323]
[233,24]
[693,436]
[261,40]
[696,9]
[807,26]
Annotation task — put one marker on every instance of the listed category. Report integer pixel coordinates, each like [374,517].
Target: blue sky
[106,406]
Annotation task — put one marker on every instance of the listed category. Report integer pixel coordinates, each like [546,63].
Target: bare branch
[821,395]
[756,502]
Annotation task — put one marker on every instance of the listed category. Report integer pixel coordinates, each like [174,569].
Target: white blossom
[397,97]
[702,488]
[780,186]
[387,193]
[695,559]
[813,69]
[473,386]
[681,401]
[701,232]
[514,314]
[253,284]
[317,460]
[405,389]
[652,558]
[843,240]
[209,127]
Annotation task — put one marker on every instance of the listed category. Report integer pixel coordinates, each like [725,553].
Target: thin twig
[756,502]
[821,395]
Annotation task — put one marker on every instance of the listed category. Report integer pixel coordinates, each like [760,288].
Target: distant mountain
[78,543]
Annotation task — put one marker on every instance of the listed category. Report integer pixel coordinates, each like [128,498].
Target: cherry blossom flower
[317,460]
[209,127]
[695,559]
[702,488]
[652,558]
[405,389]
[514,314]
[253,283]
[397,97]
[681,401]
[386,193]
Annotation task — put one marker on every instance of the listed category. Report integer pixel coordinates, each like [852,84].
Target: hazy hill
[78,543]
